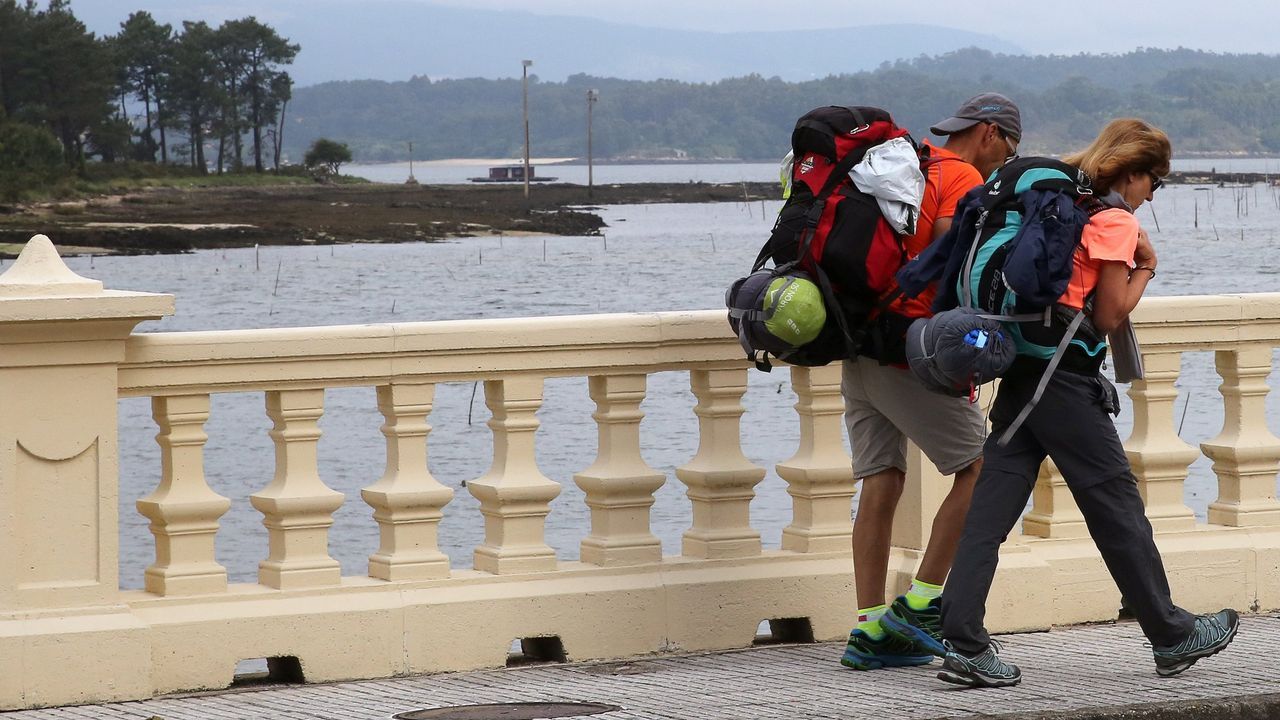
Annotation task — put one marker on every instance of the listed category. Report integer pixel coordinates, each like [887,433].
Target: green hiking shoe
[923,628]
[864,653]
[1210,635]
[985,669]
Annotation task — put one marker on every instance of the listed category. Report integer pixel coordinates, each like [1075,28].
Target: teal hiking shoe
[1210,635]
[985,669]
[863,653]
[920,627]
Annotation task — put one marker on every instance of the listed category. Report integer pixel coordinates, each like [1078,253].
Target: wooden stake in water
[763,216]
[277,285]
[1152,207]
[257,262]
[1215,232]
[713,241]
[544,249]
[1197,216]
[471,405]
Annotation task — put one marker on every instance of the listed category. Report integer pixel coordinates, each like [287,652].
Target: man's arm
[940,228]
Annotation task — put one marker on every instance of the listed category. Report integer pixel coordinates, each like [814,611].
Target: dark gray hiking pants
[1072,425]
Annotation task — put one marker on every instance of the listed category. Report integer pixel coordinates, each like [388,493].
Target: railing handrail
[452,350]
[1207,322]
[572,345]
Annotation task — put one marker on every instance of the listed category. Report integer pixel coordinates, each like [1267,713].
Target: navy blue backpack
[1009,255]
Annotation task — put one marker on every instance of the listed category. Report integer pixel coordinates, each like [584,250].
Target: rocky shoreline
[177,220]
[173,220]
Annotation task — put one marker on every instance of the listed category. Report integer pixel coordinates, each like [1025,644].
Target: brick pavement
[1067,669]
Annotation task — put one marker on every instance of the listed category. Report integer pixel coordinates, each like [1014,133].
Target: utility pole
[592,96]
[524,86]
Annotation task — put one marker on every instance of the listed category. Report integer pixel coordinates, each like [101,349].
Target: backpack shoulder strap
[1044,379]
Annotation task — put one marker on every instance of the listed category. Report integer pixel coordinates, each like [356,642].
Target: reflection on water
[652,257]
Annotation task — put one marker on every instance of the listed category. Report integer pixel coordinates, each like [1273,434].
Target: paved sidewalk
[1067,669]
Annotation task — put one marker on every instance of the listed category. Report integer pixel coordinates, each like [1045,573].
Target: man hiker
[885,405]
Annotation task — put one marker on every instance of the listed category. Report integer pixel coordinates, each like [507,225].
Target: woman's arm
[1119,290]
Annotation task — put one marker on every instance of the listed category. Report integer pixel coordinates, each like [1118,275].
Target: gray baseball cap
[987,107]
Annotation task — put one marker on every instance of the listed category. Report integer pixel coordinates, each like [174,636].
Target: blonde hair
[1125,145]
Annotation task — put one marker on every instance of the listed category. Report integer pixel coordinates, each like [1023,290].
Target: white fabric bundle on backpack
[890,172]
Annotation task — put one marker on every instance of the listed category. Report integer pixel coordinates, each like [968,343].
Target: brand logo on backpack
[806,165]
[860,128]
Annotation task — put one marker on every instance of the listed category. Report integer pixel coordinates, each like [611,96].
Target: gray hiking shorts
[885,405]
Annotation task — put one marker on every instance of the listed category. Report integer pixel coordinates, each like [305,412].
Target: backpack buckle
[814,215]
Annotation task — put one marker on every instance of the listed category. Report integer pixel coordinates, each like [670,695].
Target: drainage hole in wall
[534,650]
[781,631]
[279,670]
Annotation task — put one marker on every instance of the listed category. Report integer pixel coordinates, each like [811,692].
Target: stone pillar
[62,339]
[619,485]
[514,495]
[819,476]
[297,507]
[1245,454]
[1158,456]
[183,510]
[720,478]
[1054,513]
[407,501]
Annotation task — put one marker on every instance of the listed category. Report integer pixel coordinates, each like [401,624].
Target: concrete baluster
[297,507]
[183,510]
[1158,456]
[407,501]
[720,478]
[514,495]
[619,485]
[819,476]
[1054,513]
[1245,454]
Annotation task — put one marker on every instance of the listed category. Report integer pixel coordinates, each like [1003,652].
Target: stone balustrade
[69,634]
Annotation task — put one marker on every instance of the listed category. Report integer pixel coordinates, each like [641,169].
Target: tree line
[1208,102]
[149,93]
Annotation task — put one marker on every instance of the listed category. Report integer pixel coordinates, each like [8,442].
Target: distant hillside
[1207,102]
[396,40]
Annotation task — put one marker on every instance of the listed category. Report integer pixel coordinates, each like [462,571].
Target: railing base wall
[368,628]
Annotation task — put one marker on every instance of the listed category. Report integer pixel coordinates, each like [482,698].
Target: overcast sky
[1039,26]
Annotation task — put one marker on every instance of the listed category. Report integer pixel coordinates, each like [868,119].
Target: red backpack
[832,232]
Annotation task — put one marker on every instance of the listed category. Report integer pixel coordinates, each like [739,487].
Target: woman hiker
[1071,424]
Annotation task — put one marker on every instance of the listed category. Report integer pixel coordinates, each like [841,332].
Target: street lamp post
[592,96]
[524,88]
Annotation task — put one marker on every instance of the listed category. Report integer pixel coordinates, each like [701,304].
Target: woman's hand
[1144,255]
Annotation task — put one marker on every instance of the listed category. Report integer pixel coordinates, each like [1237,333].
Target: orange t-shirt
[945,183]
[1111,235]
